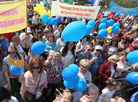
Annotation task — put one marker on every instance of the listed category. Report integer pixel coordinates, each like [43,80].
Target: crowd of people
[102,62]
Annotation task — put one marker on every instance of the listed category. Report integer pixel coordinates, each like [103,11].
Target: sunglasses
[89,49]
[84,66]
[115,87]
[46,32]
[11,52]
[35,67]
[98,50]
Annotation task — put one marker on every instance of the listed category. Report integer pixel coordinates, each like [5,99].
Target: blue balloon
[59,19]
[83,22]
[17,71]
[115,30]
[132,77]
[102,33]
[44,18]
[89,29]
[116,24]
[102,26]
[74,68]
[103,20]
[68,17]
[117,14]
[92,23]
[133,56]
[69,85]
[90,0]
[38,48]
[110,22]
[69,75]
[49,20]
[80,84]
[54,21]
[74,31]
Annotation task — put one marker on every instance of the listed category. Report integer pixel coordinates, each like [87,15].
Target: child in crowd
[65,97]
[109,90]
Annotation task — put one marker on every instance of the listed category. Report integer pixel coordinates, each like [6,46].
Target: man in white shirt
[16,41]
[26,39]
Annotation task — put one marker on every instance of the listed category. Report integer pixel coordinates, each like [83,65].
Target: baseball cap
[29,30]
[98,47]
[136,42]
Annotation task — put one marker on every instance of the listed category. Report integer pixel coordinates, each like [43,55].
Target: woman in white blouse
[68,54]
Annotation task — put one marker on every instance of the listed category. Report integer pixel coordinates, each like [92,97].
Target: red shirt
[8,36]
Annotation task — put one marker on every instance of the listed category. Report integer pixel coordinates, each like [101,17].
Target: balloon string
[121,79]
[128,89]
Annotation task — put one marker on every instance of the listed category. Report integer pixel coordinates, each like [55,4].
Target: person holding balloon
[13,53]
[33,81]
[122,65]
[54,67]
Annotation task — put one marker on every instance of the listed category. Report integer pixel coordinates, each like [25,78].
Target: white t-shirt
[35,20]
[86,76]
[68,59]
[13,99]
[113,49]
[56,34]
[112,71]
[108,94]
[19,48]
[120,68]
[60,43]
[23,43]
[79,44]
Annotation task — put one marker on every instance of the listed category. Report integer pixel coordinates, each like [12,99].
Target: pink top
[31,84]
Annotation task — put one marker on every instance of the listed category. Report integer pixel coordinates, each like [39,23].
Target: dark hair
[4,94]
[65,50]
[34,40]
[51,35]
[50,26]
[34,61]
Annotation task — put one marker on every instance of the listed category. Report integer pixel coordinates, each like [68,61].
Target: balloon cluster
[110,25]
[41,10]
[133,58]
[50,20]
[71,80]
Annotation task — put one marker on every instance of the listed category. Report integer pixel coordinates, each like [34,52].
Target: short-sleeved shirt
[53,70]
[87,76]
[23,43]
[83,56]
[4,44]
[51,47]
[108,94]
[31,84]
[3,81]
[95,65]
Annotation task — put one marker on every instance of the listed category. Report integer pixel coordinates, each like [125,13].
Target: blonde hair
[127,50]
[94,87]
[113,57]
[67,91]
[85,63]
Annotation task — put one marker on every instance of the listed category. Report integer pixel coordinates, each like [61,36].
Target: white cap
[29,30]
[98,47]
